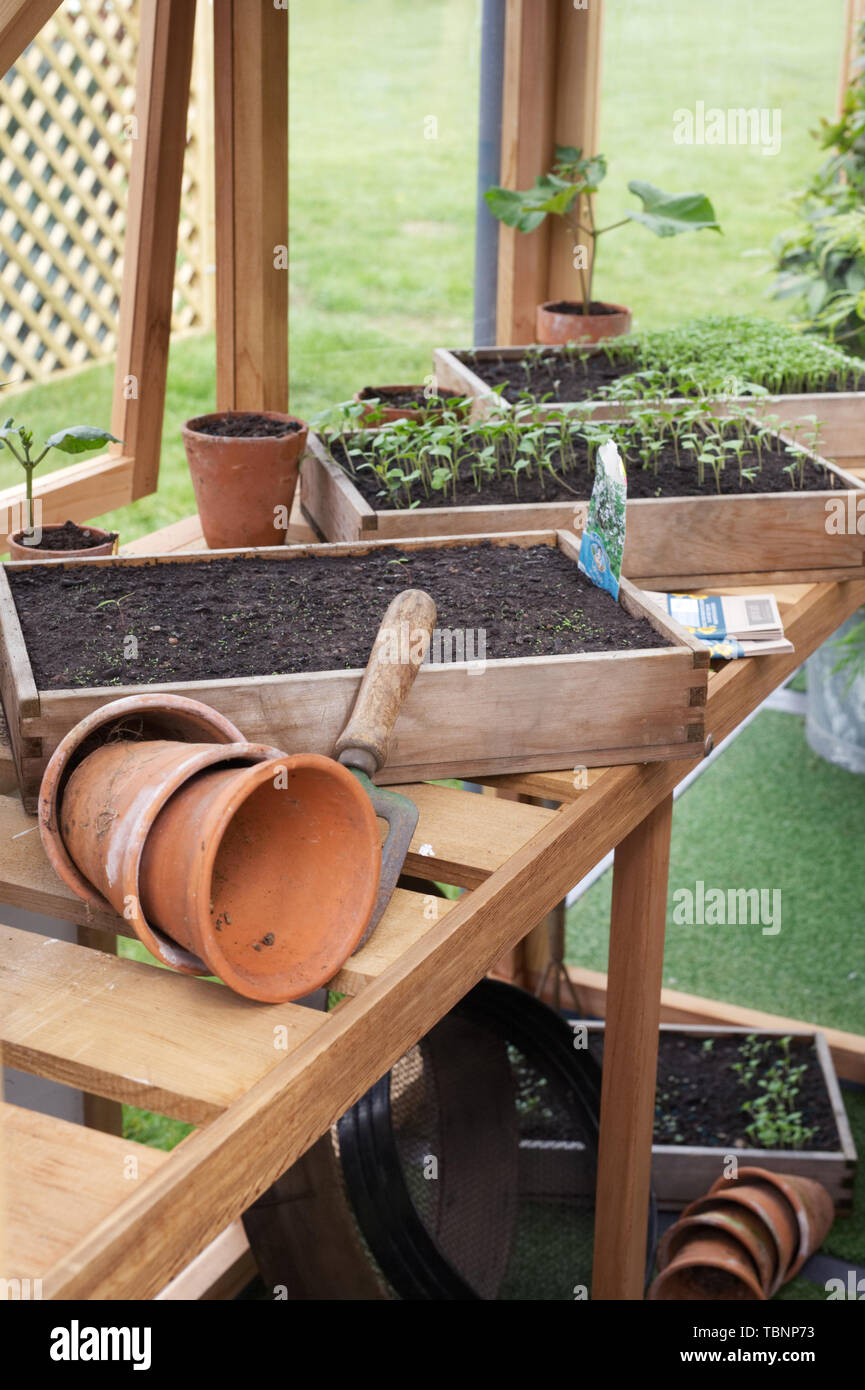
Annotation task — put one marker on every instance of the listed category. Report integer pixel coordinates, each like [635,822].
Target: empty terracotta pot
[751,1232]
[109,805]
[134,718]
[563,321]
[243,484]
[268,873]
[812,1208]
[772,1209]
[708,1266]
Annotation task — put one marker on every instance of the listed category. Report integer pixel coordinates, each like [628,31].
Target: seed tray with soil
[497,378]
[531,667]
[765,512]
[709,1092]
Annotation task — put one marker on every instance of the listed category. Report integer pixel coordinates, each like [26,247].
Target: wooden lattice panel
[67,123]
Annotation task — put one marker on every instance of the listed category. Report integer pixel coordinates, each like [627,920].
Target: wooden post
[637,926]
[551,94]
[153,213]
[854,12]
[251,149]
[20,21]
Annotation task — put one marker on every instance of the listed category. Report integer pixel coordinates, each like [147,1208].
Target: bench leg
[638,921]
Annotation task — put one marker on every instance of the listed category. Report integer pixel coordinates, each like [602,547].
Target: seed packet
[603,543]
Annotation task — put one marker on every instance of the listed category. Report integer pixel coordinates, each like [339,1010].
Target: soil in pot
[245,425]
[699,1096]
[399,397]
[579,376]
[250,617]
[69,536]
[572,480]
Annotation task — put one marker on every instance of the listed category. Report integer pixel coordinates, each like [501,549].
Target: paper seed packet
[603,542]
[731,625]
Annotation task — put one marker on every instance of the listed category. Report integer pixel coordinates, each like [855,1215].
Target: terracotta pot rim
[547,307]
[158,942]
[213,827]
[736,1262]
[188,427]
[106,544]
[62,762]
[712,1218]
[782,1184]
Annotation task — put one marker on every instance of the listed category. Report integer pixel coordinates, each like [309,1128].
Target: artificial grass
[768,814]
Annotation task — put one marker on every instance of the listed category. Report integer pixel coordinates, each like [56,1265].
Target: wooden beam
[528,106]
[20,21]
[577,121]
[153,212]
[637,926]
[250,46]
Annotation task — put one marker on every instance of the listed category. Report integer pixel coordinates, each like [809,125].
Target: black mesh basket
[467,1172]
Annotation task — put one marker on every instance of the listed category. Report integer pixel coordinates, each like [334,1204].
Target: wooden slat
[459,841]
[20,21]
[161,101]
[409,916]
[251,153]
[59,1181]
[125,1030]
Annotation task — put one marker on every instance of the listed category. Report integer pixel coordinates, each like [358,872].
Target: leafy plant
[775,1122]
[820,263]
[75,439]
[567,192]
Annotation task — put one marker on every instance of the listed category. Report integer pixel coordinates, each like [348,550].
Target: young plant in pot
[244,467]
[567,192]
[58,541]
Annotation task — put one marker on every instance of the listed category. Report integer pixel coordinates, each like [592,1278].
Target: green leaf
[669,214]
[79,439]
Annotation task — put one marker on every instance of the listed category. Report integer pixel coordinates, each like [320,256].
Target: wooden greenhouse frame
[516,853]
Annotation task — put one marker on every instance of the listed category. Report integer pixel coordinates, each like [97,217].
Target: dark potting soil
[699,1096]
[246,426]
[671,480]
[567,306]
[556,377]
[406,398]
[71,537]
[237,617]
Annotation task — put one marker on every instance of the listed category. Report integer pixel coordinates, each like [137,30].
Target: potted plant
[567,192]
[57,541]
[244,466]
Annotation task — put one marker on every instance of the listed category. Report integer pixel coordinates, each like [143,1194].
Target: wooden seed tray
[672,542]
[517,714]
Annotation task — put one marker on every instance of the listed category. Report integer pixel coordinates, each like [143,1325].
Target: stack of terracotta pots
[745,1239]
[225,857]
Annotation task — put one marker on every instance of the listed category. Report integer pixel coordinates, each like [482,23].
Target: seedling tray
[517,714]
[682,1173]
[841,434]
[672,542]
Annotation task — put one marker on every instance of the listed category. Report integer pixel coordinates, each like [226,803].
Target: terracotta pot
[772,1209]
[240,483]
[109,806]
[812,1207]
[267,873]
[751,1232]
[386,412]
[136,717]
[555,326]
[107,545]
[710,1266]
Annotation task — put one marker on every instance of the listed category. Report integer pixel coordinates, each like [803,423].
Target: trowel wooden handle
[399,648]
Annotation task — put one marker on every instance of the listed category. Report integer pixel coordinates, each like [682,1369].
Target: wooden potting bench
[97,1216]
